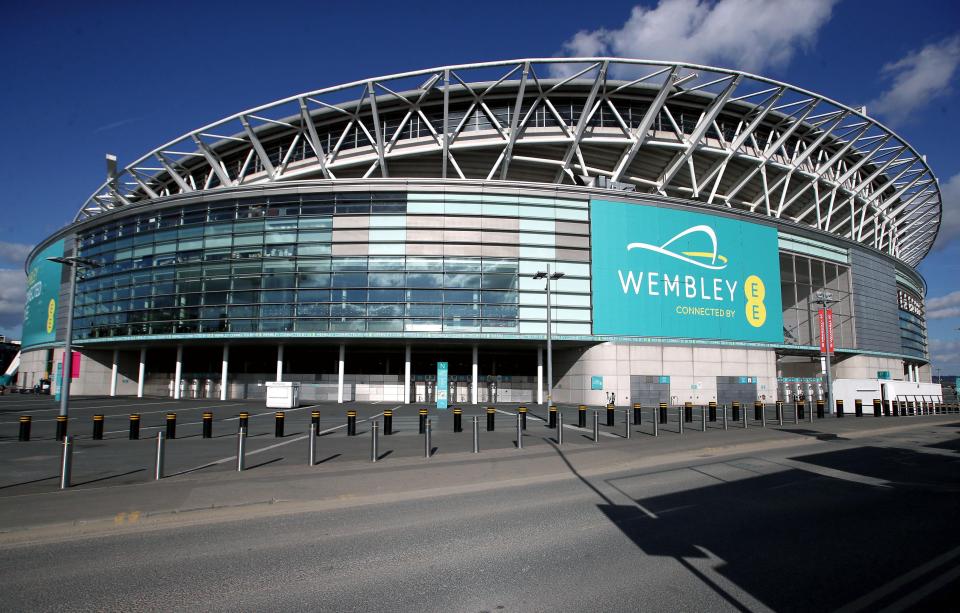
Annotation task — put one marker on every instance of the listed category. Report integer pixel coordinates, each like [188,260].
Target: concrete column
[177,373]
[142,372]
[279,363]
[473,378]
[539,375]
[113,373]
[223,372]
[406,375]
[343,350]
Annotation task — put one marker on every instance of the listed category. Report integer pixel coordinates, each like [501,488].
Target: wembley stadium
[687,219]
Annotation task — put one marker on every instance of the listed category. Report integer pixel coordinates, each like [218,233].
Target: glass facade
[913,330]
[801,277]
[356,262]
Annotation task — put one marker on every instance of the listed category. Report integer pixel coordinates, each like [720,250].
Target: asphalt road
[807,521]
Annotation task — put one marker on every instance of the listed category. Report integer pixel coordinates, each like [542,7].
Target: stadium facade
[353,237]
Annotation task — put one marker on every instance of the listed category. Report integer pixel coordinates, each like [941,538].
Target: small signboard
[596,383]
[883,374]
[664,379]
[442,385]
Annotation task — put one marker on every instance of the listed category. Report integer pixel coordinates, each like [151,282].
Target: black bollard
[712,408]
[821,407]
[552,416]
[351,423]
[522,411]
[244,424]
[839,408]
[25,421]
[886,408]
[582,416]
[858,408]
[315,422]
[798,407]
[98,427]
[637,414]
[458,420]
[388,421]
[61,427]
[779,406]
[663,413]
[171,426]
[877,407]
[423,421]
[207,424]
[735,410]
[688,412]
[491,415]
[135,427]
[278,417]
[757,410]
[611,416]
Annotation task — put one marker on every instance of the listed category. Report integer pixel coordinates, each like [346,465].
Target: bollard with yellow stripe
[522,411]
[244,424]
[351,423]
[388,421]
[25,422]
[207,424]
[552,411]
[582,416]
[98,427]
[423,420]
[135,426]
[315,422]
[458,420]
[61,427]
[279,418]
[171,426]
[491,416]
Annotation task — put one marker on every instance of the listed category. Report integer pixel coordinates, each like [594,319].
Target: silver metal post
[680,420]
[780,413]
[476,435]
[724,416]
[161,456]
[796,414]
[743,416]
[373,441]
[66,462]
[626,422]
[703,419]
[596,427]
[313,444]
[549,344]
[559,427]
[656,423]
[426,439]
[519,433]
[241,449]
[763,416]
[809,411]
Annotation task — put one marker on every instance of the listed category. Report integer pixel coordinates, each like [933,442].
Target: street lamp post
[825,299]
[549,277]
[73,262]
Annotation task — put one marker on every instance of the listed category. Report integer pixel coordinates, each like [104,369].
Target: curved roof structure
[707,134]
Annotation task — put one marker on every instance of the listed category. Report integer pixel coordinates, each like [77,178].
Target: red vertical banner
[74,364]
[825,319]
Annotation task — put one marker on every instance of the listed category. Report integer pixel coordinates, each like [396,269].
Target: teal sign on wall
[596,383]
[43,297]
[442,384]
[664,272]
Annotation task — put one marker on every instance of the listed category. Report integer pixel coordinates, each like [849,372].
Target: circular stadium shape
[695,213]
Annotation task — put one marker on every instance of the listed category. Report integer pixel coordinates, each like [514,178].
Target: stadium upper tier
[722,137]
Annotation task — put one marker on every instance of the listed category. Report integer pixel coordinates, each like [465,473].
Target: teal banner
[661,272]
[442,384]
[43,297]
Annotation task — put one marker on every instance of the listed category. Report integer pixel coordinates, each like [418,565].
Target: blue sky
[84,79]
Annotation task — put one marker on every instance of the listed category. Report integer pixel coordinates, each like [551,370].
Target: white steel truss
[719,136]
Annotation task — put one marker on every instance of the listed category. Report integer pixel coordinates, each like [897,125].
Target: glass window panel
[387,295]
[383,279]
[424,310]
[316,223]
[311,208]
[386,263]
[499,297]
[314,236]
[314,249]
[276,237]
[453,295]
[194,243]
[786,267]
[246,283]
[425,263]
[461,310]
[218,229]
[802,268]
[313,265]
[313,295]
[215,298]
[461,280]
[314,280]
[247,239]
[286,295]
[276,325]
[500,265]
[358,263]
[499,281]
[214,285]
[424,280]
[190,232]
[279,223]
[349,295]
[424,295]
[276,310]
[247,268]
[461,324]
[243,310]
[217,241]
[242,297]
[214,255]
[385,310]
[347,325]
[385,325]
[311,325]
[280,251]
[349,279]
[500,311]
[216,269]
[347,309]
[313,310]
[462,265]
[816,271]
[279,281]
[243,325]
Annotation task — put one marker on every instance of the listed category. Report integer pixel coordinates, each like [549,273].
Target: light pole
[73,262]
[549,277]
[825,299]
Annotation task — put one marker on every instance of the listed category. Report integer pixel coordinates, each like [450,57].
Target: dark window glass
[387,295]
[349,279]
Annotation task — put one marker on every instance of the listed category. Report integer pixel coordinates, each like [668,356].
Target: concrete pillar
[473,378]
[142,372]
[223,372]
[539,375]
[343,350]
[113,373]
[279,363]
[406,375]
[177,373]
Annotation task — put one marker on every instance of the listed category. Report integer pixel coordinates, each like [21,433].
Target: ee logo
[755,291]
[51,310]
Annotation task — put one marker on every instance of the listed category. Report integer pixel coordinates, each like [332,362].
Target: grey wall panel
[875,302]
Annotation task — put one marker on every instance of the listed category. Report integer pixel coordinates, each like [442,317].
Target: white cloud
[950,300]
[14,253]
[916,79]
[749,35]
[950,221]
[13,294]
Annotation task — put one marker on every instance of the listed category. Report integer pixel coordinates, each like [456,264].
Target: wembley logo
[703,259]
